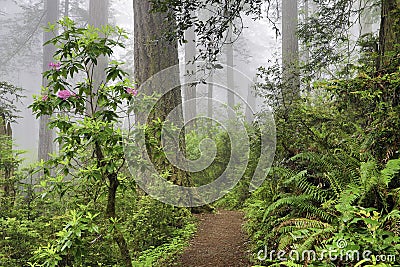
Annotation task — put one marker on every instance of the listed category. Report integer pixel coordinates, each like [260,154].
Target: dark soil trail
[219,242]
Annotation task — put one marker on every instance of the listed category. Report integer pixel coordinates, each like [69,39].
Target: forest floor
[219,242]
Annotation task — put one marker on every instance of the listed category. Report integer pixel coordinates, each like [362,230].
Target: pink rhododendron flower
[45,97]
[131,91]
[64,94]
[55,66]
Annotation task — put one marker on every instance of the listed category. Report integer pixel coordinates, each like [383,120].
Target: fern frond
[287,200]
[320,234]
[294,178]
[303,223]
[285,241]
[391,169]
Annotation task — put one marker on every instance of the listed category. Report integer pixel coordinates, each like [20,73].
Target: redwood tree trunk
[190,74]
[152,54]
[46,135]
[290,51]
[389,35]
[229,71]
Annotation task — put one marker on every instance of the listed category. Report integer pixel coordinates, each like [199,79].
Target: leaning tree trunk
[46,135]
[153,54]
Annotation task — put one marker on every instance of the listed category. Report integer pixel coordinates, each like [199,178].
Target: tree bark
[46,135]
[153,54]
[389,35]
[190,74]
[290,52]
[229,74]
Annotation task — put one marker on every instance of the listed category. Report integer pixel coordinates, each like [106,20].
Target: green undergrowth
[167,254]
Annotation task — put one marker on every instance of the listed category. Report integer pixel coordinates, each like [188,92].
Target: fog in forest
[21,54]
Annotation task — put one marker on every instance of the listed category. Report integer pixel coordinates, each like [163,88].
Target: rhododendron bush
[86,114]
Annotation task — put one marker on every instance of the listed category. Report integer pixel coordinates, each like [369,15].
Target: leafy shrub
[18,240]
[154,223]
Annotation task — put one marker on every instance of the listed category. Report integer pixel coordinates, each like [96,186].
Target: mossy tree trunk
[153,54]
[389,36]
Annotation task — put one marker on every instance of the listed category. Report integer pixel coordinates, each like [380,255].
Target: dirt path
[219,242]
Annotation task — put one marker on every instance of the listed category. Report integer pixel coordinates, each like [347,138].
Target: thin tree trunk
[190,74]
[118,236]
[113,184]
[46,135]
[229,74]
[210,95]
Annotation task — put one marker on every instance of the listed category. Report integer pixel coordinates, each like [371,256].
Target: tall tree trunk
[98,17]
[46,135]
[306,52]
[229,74]
[190,74]
[290,52]
[210,95]
[153,54]
[389,35]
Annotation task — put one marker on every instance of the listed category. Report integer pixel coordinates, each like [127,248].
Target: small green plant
[72,242]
